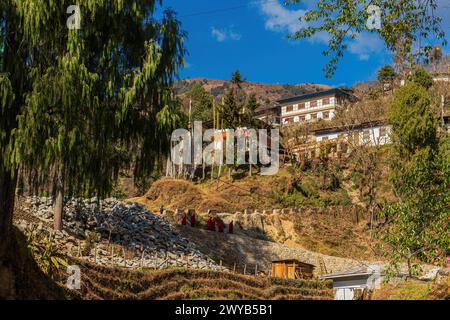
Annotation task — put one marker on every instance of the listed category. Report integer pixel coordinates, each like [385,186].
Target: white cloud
[365,45]
[280,18]
[225,34]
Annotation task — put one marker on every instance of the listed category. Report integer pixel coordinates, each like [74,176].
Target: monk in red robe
[193,220]
[231,228]
[220,226]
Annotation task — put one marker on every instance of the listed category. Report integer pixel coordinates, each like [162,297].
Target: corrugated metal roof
[342,91]
[363,271]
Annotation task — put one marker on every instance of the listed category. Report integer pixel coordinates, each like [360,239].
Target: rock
[129,225]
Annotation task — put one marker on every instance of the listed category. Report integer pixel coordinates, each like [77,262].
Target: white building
[370,134]
[314,106]
[349,285]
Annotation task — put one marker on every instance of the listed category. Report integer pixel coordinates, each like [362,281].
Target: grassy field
[414,290]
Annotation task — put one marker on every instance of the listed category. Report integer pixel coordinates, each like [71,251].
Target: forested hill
[265,93]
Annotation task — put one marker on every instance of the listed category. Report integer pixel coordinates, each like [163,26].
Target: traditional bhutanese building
[313,106]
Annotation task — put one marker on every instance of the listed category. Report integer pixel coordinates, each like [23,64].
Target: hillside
[101,283]
[265,93]
[341,231]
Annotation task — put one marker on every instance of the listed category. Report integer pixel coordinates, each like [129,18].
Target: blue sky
[251,36]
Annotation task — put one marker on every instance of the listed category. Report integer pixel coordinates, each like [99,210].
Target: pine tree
[386,76]
[201,103]
[236,79]
[76,106]
[231,112]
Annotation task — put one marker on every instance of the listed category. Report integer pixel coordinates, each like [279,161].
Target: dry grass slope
[175,284]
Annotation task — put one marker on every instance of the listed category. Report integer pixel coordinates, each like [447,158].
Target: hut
[292,269]
[351,284]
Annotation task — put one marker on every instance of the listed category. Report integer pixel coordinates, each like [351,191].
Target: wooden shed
[292,269]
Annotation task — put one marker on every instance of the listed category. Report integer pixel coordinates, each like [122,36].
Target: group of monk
[220,225]
[192,219]
[211,224]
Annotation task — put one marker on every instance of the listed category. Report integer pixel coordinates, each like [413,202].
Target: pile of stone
[112,233]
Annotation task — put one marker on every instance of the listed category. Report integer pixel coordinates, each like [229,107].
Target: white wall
[375,135]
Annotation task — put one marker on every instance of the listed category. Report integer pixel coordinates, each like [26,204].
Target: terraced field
[100,283]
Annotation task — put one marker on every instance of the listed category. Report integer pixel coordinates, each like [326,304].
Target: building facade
[369,134]
[338,142]
[314,106]
[270,114]
[350,285]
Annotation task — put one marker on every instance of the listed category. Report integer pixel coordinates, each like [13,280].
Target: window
[366,136]
[326,101]
[355,138]
[383,132]
[301,106]
[313,104]
[314,116]
[326,115]
[289,108]
[302,119]
[344,148]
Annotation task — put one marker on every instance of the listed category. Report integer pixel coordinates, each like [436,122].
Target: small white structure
[347,283]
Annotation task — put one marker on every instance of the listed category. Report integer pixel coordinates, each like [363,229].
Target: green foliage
[308,192]
[414,124]
[84,106]
[417,227]
[236,78]
[238,109]
[6,101]
[201,103]
[386,74]
[92,238]
[47,253]
[2,45]
[422,78]
[231,111]
[404,23]
[252,103]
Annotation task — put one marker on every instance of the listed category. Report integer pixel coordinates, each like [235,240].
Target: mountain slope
[265,93]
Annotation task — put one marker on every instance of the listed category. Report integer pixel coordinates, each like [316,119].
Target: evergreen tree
[236,79]
[79,105]
[418,223]
[231,112]
[387,75]
[251,106]
[252,103]
[201,103]
[422,78]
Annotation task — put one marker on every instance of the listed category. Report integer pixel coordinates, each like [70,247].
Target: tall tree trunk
[7,188]
[59,205]
[7,238]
